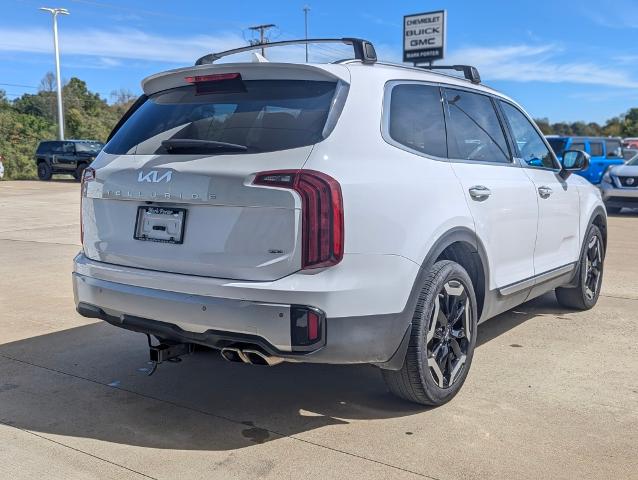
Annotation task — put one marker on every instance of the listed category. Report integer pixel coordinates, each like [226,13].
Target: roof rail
[363,49]
[469,72]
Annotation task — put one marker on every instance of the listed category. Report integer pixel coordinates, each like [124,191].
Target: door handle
[544,191]
[479,193]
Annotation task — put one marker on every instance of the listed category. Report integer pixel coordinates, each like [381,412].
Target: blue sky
[567,60]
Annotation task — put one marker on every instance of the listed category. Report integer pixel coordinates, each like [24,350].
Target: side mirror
[574,161]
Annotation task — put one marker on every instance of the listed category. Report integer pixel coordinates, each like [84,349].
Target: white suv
[354,212]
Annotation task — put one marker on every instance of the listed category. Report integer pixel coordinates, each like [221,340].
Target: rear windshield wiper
[175,144]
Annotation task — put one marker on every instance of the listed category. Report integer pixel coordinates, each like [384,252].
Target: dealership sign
[424,37]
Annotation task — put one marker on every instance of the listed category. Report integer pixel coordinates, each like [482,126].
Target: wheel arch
[461,245]
[599,218]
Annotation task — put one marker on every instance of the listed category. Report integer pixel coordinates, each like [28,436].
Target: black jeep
[65,156]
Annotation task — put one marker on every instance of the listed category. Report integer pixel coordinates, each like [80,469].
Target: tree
[32,118]
[630,123]
[544,125]
[48,83]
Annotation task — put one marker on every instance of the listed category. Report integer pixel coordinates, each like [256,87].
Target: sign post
[424,37]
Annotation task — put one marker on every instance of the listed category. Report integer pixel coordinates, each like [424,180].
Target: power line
[262,29]
[17,85]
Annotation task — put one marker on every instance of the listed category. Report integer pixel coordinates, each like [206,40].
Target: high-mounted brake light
[322,213]
[88,175]
[217,77]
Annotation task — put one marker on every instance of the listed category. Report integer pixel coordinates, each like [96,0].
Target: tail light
[88,175]
[322,213]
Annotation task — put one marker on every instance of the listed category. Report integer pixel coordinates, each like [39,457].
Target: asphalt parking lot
[551,393]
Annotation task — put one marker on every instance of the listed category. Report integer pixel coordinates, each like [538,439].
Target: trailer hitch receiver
[166,352]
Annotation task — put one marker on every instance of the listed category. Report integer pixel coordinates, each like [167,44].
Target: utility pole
[262,39]
[54,13]
[306,9]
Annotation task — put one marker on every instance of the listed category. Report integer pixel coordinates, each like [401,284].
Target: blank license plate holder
[160,224]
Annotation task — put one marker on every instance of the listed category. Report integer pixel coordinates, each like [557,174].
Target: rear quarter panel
[395,202]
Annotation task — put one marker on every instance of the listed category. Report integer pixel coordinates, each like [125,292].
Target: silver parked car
[619,186]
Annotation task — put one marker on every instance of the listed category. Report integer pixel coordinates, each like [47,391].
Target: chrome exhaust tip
[257,357]
[248,355]
[231,354]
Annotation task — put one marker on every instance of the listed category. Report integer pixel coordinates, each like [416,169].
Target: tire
[446,292]
[590,274]
[77,174]
[45,172]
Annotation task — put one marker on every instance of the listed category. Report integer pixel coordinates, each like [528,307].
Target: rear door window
[261,116]
[57,147]
[416,118]
[596,149]
[68,148]
[474,130]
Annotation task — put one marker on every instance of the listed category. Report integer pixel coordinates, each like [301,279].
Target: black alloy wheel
[584,294]
[449,334]
[593,266]
[442,337]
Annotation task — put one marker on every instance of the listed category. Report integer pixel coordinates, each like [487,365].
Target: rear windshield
[45,147]
[262,116]
[558,145]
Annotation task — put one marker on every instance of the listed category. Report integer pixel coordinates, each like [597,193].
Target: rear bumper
[217,312]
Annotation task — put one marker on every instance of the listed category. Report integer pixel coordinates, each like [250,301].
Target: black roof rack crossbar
[469,72]
[363,49]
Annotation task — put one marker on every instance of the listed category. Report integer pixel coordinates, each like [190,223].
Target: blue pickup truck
[604,152]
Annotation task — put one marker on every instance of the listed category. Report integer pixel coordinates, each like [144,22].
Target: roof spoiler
[363,49]
[469,72]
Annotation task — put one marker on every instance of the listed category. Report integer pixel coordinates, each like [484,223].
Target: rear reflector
[313,326]
[88,175]
[322,213]
[308,327]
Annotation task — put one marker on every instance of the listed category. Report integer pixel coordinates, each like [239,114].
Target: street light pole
[54,13]
[306,9]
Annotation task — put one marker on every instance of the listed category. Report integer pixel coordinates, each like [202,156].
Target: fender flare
[454,235]
[599,211]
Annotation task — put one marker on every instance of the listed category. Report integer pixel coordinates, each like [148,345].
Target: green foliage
[32,118]
[623,126]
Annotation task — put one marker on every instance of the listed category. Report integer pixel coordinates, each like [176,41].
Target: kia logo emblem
[153,176]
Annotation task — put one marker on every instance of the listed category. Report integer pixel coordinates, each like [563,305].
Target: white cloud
[122,43]
[529,63]
[520,63]
[524,63]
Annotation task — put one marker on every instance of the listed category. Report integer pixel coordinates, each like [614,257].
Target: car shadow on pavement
[626,212]
[91,382]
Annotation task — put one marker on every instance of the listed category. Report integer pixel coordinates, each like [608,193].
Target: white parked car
[1,167]
[354,212]
[619,186]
